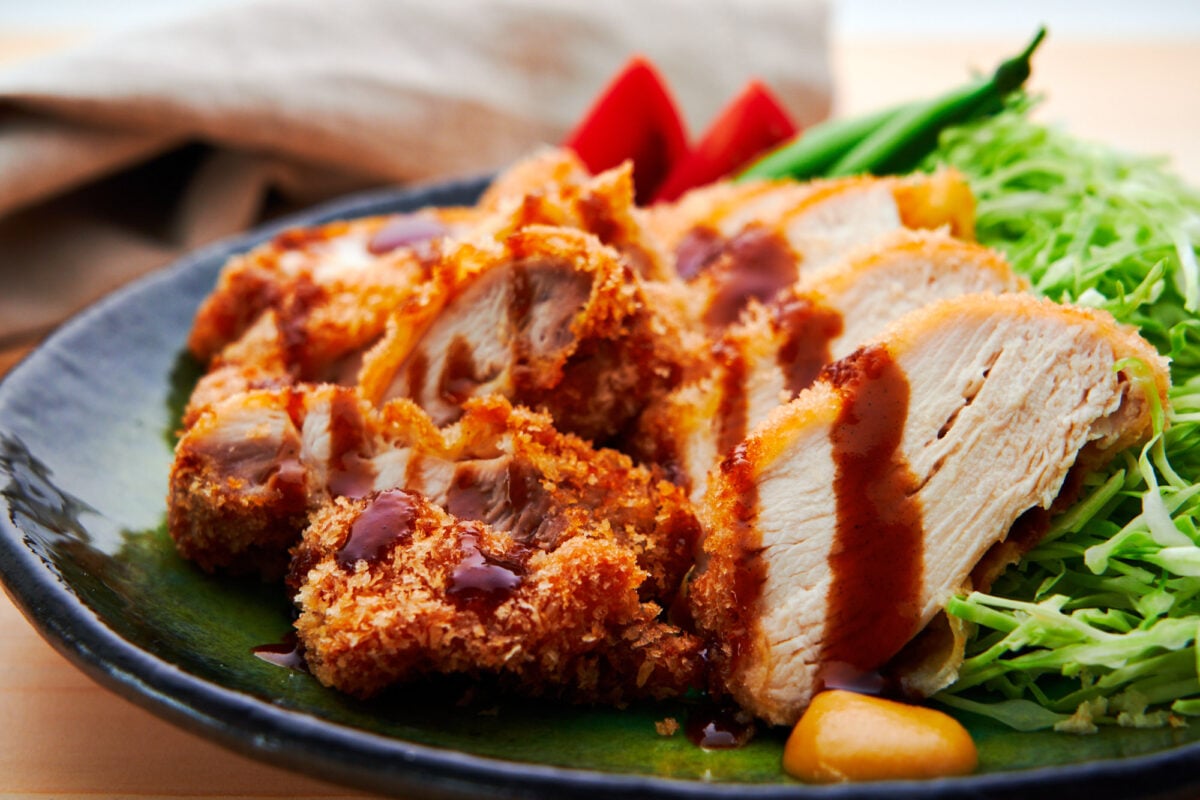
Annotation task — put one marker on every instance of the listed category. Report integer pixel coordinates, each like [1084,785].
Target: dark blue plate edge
[353,757]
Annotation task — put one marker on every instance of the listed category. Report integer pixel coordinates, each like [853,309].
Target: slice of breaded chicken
[252,467]
[840,526]
[392,588]
[778,349]
[553,187]
[320,296]
[733,242]
[545,316]
[331,285]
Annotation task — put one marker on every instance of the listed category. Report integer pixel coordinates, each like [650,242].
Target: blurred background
[942,18]
[933,41]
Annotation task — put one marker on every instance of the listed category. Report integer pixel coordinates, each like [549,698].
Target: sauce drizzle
[406,230]
[757,263]
[459,375]
[750,571]
[877,558]
[288,653]
[387,520]
[732,412]
[807,329]
[481,577]
[351,472]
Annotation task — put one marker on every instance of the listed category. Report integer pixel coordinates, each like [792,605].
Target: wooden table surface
[62,736]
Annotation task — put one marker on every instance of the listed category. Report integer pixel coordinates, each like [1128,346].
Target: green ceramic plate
[85,445]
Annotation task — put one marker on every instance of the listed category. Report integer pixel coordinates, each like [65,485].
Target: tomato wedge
[636,118]
[753,122]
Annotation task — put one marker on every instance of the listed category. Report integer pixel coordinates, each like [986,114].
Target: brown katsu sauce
[459,375]
[292,313]
[520,309]
[414,231]
[716,727]
[290,481]
[733,411]
[877,557]
[386,521]
[351,473]
[302,238]
[698,249]
[750,571]
[599,218]
[481,578]
[755,264]
[807,328]
[288,653]
[416,370]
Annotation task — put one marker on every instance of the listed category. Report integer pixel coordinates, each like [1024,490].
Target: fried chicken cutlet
[253,468]
[392,588]
[838,529]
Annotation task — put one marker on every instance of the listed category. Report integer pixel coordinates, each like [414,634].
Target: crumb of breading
[667,727]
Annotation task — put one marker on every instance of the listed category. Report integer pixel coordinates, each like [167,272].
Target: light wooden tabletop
[62,736]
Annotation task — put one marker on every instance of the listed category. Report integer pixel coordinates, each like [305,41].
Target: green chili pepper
[811,153]
[895,139]
[900,143]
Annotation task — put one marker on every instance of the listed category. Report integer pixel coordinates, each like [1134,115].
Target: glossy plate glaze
[86,435]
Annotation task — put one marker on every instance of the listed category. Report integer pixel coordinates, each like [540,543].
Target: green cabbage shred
[1100,623]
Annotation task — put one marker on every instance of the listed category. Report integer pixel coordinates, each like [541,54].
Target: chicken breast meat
[778,348]
[734,242]
[840,526]
[546,316]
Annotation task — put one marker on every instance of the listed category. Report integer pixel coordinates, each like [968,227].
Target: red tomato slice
[750,124]
[635,118]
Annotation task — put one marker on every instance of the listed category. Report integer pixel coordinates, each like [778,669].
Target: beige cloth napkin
[117,157]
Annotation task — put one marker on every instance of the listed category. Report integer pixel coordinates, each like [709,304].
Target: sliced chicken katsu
[840,526]
[252,468]
[391,588]
[735,241]
[319,297]
[336,280]
[331,286]
[545,316]
[554,188]
[777,349]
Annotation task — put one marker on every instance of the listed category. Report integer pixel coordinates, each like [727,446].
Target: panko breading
[251,469]
[545,316]
[392,588]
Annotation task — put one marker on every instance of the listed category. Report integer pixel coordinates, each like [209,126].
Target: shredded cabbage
[1100,623]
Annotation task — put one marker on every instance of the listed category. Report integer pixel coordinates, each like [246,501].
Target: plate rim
[331,751]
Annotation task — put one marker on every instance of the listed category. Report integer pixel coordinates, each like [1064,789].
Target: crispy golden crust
[251,468]
[546,316]
[447,596]
[324,283]
[560,474]
[419,421]
[238,491]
